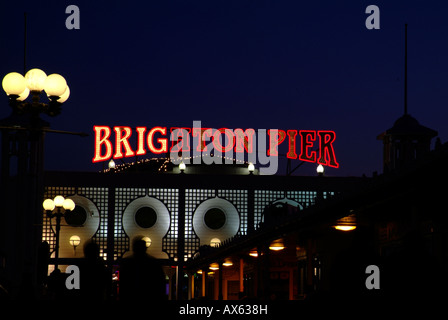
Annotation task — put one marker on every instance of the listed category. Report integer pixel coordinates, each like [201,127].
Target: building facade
[177,213]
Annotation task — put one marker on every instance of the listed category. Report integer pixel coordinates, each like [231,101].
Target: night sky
[237,64]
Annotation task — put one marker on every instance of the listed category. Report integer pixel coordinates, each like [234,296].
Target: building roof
[407,125]
[164,165]
[412,182]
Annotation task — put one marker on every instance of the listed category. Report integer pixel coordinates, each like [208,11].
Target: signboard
[183,143]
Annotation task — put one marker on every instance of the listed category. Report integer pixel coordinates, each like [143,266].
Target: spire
[24,44]
[407,140]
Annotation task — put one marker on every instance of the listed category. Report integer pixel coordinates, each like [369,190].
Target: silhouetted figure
[141,276]
[56,285]
[93,274]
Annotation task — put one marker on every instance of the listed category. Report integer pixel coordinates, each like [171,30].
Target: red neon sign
[223,140]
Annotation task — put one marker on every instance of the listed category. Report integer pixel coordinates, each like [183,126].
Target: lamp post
[56,208]
[320,173]
[22,143]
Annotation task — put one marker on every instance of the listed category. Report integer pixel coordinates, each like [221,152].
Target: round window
[76,217]
[146,217]
[215,218]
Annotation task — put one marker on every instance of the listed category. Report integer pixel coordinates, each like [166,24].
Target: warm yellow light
[24,94]
[75,240]
[215,242]
[347,223]
[65,95]
[148,241]
[214,266]
[199,272]
[277,245]
[68,204]
[35,79]
[111,164]
[14,83]
[182,166]
[253,254]
[58,201]
[320,169]
[227,263]
[55,85]
[48,205]
[345,228]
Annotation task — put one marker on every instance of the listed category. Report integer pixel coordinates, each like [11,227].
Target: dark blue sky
[236,64]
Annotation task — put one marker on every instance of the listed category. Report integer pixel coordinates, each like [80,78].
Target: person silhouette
[93,274]
[141,276]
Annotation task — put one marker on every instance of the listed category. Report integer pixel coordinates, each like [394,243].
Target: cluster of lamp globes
[35,81]
[58,202]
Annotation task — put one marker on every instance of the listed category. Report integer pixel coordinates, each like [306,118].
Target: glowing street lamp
[111,164]
[148,241]
[27,96]
[182,167]
[251,168]
[19,87]
[320,170]
[55,85]
[56,208]
[48,205]
[74,242]
[35,79]
[14,84]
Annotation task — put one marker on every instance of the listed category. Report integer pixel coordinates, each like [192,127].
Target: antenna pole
[405,69]
[24,45]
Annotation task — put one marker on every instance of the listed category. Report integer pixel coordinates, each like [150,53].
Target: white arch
[230,227]
[156,232]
